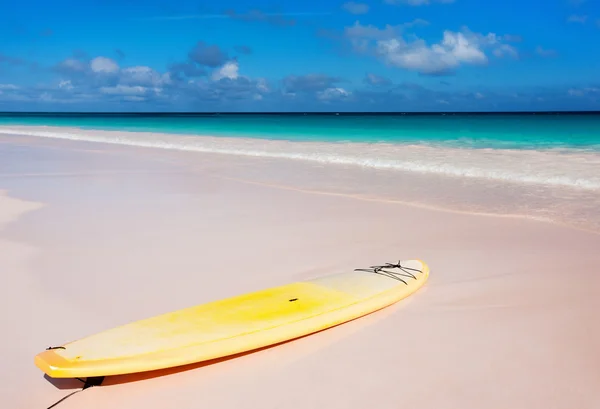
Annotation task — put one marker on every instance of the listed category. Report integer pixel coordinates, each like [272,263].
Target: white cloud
[261,85]
[8,87]
[65,84]
[580,92]
[104,65]
[456,48]
[123,90]
[506,49]
[142,75]
[576,92]
[100,80]
[134,98]
[229,70]
[356,8]
[334,93]
[45,96]
[360,36]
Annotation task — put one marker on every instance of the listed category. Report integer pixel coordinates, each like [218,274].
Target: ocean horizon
[532,130]
[548,166]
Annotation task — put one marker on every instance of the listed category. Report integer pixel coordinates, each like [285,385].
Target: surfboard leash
[381,270]
[88,383]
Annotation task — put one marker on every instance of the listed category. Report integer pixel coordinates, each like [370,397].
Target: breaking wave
[579,169]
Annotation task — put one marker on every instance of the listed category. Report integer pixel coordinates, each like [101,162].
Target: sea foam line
[208,144]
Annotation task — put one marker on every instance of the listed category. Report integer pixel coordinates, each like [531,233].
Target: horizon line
[340,113]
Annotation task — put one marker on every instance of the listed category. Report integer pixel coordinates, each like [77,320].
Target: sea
[538,165]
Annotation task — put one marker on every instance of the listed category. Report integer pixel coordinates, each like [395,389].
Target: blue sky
[374,55]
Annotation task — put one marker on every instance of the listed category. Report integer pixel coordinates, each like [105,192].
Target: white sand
[508,318]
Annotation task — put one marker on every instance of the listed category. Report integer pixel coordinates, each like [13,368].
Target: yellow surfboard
[235,325]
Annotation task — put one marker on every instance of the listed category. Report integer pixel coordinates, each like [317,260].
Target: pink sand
[93,236]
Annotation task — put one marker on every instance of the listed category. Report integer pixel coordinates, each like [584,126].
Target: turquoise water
[544,166]
[508,131]
[557,150]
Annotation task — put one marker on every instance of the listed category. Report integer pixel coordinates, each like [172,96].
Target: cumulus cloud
[332,94]
[124,90]
[503,50]
[356,8]
[361,36]
[208,74]
[82,78]
[311,93]
[234,88]
[145,76]
[585,91]
[229,70]
[455,48]
[65,84]
[261,85]
[99,82]
[104,65]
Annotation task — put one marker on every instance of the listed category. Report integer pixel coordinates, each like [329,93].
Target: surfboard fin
[93,381]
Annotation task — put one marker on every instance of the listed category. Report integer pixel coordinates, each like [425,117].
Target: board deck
[235,325]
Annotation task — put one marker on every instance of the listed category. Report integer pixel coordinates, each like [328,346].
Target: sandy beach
[93,236]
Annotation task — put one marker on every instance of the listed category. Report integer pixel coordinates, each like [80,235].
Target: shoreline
[46,131]
[330,153]
[560,205]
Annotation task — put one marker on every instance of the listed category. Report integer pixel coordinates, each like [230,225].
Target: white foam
[574,169]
